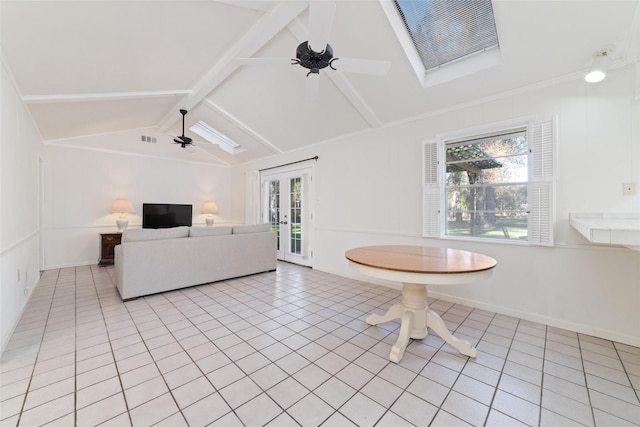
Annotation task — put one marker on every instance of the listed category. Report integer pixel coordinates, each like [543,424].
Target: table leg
[416,317]
[413,315]
[395,312]
[397,351]
[438,326]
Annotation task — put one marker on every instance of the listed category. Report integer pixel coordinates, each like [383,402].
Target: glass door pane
[295,215]
[286,198]
[274,208]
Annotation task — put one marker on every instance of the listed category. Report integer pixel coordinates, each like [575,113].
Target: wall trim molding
[112,228]
[20,241]
[557,245]
[59,144]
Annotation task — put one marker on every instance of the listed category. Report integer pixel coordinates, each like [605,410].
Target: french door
[286,205]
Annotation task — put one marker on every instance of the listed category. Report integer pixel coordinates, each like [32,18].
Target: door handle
[283,222]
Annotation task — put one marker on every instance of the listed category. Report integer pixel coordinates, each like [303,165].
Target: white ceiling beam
[631,47]
[300,32]
[87,97]
[260,34]
[215,107]
[260,5]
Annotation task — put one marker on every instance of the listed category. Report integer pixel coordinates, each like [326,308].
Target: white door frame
[305,257]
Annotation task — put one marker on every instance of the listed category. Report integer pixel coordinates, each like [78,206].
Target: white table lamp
[122,207]
[209,208]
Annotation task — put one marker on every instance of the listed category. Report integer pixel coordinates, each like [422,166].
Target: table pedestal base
[416,317]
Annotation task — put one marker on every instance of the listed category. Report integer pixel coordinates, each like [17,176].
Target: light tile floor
[291,348]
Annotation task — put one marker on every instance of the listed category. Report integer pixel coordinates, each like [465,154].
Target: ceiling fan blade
[320,20]
[363,66]
[263,61]
[312,86]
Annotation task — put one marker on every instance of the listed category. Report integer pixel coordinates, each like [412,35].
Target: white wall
[20,151]
[368,191]
[82,183]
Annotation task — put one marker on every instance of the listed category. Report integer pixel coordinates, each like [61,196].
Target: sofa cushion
[209,231]
[257,228]
[141,234]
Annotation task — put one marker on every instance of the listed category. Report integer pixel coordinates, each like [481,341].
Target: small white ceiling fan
[317,54]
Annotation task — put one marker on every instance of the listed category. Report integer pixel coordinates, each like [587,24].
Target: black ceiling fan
[182,139]
[316,54]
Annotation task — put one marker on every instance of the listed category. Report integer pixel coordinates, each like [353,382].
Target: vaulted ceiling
[100,67]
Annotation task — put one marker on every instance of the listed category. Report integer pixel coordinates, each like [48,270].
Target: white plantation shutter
[542,138]
[430,190]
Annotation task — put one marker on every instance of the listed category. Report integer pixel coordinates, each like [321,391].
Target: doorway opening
[287,204]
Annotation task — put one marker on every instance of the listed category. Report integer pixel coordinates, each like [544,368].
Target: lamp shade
[209,207]
[122,206]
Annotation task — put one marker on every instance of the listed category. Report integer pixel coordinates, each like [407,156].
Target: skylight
[445,39]
[215,137]
[445,30]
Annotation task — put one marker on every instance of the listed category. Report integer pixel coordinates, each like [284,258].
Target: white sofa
[149,261]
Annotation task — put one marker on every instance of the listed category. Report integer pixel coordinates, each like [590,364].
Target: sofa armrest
[118,264]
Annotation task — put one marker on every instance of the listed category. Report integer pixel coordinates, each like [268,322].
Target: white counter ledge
[609,228]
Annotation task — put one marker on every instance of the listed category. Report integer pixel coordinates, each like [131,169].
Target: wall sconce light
[209,208]
[122,207]
[599,65]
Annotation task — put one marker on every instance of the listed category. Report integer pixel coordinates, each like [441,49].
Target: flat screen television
[164,215]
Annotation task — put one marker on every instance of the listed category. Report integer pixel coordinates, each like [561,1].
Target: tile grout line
[154,361]
[486,418]
[459,372]
[115,363]
[233,410]
[304,295]
[75,345]
[35,362]
[497,387]
[336,410]
[544,353]
[586,383]
[290,376]
[624,367]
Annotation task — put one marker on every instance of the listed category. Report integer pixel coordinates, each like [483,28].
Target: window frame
[443,20]
[540,181]
[465,66]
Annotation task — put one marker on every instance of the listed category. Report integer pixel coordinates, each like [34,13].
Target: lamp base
[122,224]
[209,222]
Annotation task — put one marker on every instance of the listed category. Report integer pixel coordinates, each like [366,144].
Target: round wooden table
[416,267]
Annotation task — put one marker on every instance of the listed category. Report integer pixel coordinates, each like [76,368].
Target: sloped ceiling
[88,68]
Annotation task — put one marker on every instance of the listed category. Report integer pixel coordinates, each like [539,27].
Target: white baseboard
[75,264]
[507,311]
[19,317]
[546,320]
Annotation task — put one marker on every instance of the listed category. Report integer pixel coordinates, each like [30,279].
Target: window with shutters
[495,185]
